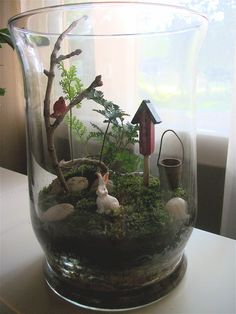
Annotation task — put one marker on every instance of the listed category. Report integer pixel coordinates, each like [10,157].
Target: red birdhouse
[146,116]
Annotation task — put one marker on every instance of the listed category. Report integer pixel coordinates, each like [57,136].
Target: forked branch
[50,128]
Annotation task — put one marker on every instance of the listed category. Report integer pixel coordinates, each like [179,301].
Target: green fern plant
[117,137]
[70,83]
[72,86]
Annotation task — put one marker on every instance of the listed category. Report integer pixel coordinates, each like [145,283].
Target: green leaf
[96,96]
[5,37]
[2,91]
[124,161]
[77,126]
[115,142]
[70,83]
[97,127]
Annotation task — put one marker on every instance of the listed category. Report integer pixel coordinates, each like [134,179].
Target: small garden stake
[146,116]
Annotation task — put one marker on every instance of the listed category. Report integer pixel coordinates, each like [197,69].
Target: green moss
[129,190]
[142,209]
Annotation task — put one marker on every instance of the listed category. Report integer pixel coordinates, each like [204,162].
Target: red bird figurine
[59,108]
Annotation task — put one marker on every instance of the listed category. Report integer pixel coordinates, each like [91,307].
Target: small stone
[57,212]
[178,208]
[77,184]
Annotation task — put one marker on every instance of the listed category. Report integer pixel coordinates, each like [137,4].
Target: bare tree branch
[84,94]
[50,129]
[69,55]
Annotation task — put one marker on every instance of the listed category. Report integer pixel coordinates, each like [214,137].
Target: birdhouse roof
[146,105]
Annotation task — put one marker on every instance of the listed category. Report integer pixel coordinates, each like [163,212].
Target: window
[216,66]
[216,61]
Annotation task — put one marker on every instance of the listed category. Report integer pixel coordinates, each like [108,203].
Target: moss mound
[142,210]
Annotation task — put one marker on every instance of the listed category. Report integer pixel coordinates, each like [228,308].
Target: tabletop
[209,285]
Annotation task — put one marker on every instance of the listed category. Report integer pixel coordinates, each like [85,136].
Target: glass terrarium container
[111,146]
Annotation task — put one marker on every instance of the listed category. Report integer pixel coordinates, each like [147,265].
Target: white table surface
[209,285]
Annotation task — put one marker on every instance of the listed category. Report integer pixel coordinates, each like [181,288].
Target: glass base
[116,300]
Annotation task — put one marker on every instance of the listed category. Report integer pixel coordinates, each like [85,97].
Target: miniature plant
[116,142]
[117,132]
[123,135]
[71,86]
[111,112]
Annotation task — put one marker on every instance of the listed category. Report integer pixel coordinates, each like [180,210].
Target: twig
[84,161]
[53,61]
[84,94]
[103,142]
[69,55]
[71,137]
[132,174]
[50,129]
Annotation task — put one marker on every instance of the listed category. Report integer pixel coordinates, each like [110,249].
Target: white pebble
[77,184]
[57,212]
[177,207]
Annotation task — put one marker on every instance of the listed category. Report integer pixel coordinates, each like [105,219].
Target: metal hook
[170,130]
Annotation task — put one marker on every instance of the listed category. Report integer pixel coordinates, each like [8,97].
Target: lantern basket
[170,169]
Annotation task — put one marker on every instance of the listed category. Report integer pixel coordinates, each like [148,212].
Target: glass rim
[203,19]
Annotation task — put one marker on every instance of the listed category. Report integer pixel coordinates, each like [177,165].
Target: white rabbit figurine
[106,203]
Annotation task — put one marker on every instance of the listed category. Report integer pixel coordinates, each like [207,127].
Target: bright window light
[216,66]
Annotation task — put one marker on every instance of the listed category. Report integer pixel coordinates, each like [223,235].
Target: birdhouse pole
[147,117]
[146,170]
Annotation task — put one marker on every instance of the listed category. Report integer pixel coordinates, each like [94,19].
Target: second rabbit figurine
[106,204]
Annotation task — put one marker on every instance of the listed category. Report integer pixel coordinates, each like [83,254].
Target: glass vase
[111,146]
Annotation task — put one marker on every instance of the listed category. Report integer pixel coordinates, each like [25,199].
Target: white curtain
[228,221]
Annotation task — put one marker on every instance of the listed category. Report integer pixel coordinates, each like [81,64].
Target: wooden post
[146,170]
